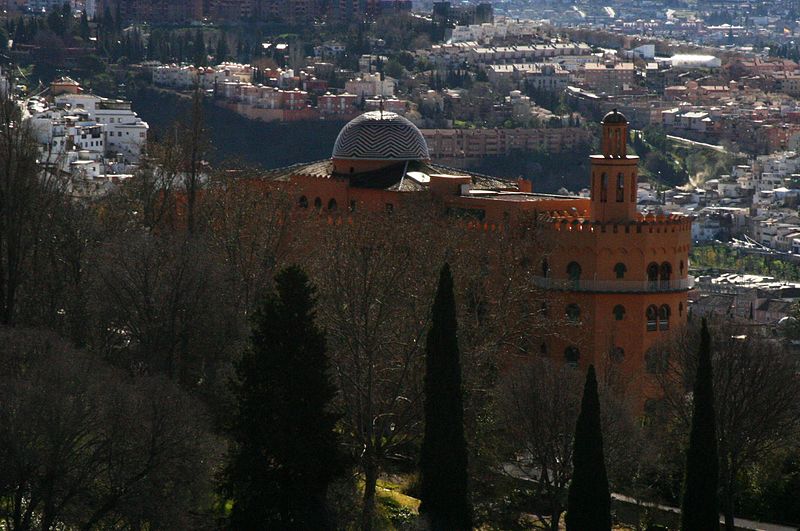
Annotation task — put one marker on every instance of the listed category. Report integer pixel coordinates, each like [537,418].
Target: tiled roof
[388,178]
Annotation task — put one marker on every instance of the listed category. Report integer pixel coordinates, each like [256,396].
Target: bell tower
[614,178]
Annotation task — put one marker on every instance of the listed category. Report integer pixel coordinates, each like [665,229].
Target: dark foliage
[589,499]
[286,452]
[700,503]
[87,446]
[445,496]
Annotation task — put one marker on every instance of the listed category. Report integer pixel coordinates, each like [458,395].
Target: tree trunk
[727,505]
[12,283]
[555,520]
[727,494]
[191,198]
[284,497]
[370,482]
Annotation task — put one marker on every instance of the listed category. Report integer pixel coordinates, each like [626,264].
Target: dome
[614,117]
[380,135]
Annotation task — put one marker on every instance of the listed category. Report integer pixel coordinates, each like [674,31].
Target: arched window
[652,318]
[666,274]
[574,271]
[663,317]
[620,188]
[680,309]
[633,188]
[543,349]
[603,187]
[652,275]
[681,267]
[573,313]
[545,268]
[617,354]
[317,203]
[620,270]
[332,204]
[572,355]
[302,202]
[619,312]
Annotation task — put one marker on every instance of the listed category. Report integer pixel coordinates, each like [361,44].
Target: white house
[126,133]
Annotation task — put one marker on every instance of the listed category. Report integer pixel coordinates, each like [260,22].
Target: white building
[94,141]
[125,132]
[207,78]
[498,30]
[371,85]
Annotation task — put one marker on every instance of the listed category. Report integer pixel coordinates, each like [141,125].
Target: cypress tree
[222,52]
[443,464]
[286,451]
[83,29]
[200,51]
[589,500]
[700,507]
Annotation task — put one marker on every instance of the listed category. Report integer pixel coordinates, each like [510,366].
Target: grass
[396,510]
[393,491]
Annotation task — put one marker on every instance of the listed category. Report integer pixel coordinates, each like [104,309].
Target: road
[698,144]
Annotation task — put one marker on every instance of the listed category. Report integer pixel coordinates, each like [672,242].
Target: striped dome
[380,135]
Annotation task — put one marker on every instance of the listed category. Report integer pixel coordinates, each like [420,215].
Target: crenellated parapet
[643,224]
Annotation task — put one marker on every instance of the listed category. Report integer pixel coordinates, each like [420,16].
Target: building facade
[158,11]
[610,78]
[614,281]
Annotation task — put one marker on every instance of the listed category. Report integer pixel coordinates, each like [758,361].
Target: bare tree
[56,292]
[540,404]
[377,274]
[250,232]
[155,306]
[83,446]
[195,144]
[28,192]
[756,395]
[376,283]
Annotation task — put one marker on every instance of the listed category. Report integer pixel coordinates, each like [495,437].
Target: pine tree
[589,499]
[286,451]
[443,466]
[700,508]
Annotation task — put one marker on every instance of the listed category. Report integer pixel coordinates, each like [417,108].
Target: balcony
[615,286]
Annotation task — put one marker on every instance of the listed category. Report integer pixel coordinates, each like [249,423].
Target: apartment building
[609,78]
[478,143]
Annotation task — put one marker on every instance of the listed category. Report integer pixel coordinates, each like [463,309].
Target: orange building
[618,278]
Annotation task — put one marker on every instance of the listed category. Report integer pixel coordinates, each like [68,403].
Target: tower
[618,277]
[614,179]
